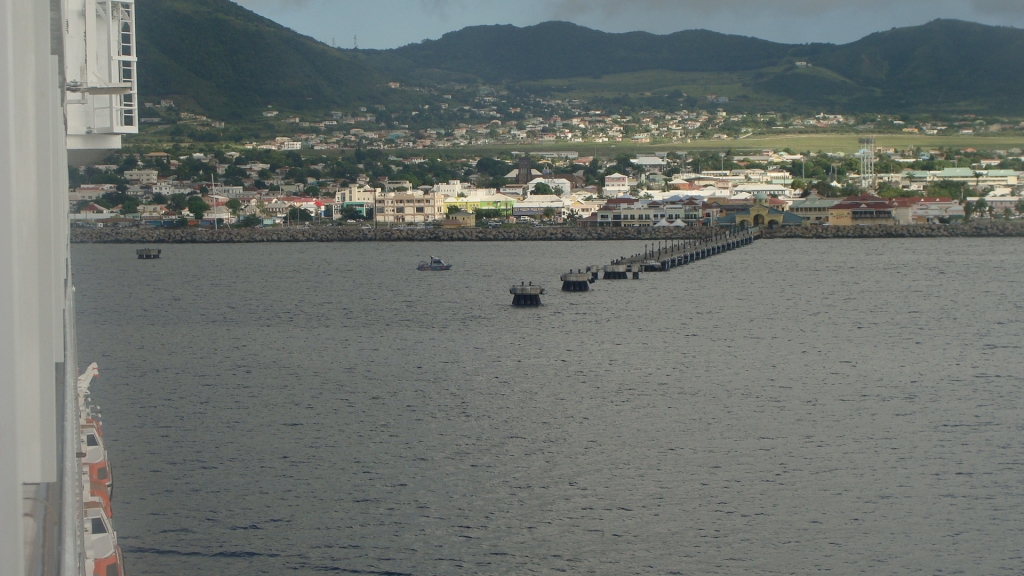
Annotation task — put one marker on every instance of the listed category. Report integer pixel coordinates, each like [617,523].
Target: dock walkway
[667,254]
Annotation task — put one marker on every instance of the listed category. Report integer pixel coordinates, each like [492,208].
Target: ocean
[791,407]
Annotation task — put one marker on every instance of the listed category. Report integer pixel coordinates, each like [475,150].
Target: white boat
[434,264]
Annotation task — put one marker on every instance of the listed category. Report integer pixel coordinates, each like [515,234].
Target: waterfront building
[689,211]
[482,200]
[761,213]
[459,220]
[932,210]
[865,209]
[814,208]
[361,197]
[535,206]
[414,207]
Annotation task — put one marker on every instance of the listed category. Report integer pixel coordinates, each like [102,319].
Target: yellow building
[813,209]
[459,220]
[760,214]
[865,209]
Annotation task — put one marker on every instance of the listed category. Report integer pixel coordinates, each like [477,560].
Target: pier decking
[668,254]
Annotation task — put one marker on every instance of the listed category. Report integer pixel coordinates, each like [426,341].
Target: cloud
[806,8]
[999,7]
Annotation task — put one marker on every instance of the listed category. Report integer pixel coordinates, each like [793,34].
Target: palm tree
[968,211]
[982,206]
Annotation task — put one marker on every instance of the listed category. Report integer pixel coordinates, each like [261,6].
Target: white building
[534,206]
[169,187]
[616,185]
[453,188]
[228,191]
[650,163]
[356,193]
[142,176]
[773,190]
[561,186]
[359,196]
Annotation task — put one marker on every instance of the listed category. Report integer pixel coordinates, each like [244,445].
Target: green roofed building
[814,208]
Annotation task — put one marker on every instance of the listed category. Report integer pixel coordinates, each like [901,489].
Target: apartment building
[415,207]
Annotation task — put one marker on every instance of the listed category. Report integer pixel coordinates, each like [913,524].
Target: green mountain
[216,56]
[945,65]
[563,50]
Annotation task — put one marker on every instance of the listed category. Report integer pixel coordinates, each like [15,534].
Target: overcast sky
[392,23]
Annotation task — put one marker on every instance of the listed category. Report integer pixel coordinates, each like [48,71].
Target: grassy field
[731,84]
[845,143]
[802,143]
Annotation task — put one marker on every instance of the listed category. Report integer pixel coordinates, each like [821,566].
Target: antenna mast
[867,163]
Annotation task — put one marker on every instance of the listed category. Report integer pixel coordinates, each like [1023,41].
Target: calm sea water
[793,407]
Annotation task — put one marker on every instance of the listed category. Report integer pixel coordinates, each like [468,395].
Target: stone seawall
[977,229]
[348,234]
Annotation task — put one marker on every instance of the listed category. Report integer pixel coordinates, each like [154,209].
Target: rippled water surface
[793,407]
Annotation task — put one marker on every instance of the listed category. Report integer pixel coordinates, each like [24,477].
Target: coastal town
[878,185]
[466,119]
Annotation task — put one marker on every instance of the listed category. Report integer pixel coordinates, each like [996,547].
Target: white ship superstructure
[100,75]
[67,80]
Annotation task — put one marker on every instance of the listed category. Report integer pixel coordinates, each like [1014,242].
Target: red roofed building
[863,210]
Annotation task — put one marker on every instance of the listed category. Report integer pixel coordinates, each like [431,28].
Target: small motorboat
[434,264]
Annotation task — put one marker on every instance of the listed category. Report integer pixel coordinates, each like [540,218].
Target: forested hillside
[229,61]
[216,56]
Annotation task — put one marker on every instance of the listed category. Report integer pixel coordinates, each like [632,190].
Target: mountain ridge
[223,58]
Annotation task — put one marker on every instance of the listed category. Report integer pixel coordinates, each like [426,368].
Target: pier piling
[578,281]
[526,294]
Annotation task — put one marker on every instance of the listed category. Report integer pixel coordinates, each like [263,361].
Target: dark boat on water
[434,264]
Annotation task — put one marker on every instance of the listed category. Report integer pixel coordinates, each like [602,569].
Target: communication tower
[867,163]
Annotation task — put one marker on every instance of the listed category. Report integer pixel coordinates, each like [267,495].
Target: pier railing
[667,254]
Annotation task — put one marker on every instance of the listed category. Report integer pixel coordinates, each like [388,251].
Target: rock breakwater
[978,229]
[349,234]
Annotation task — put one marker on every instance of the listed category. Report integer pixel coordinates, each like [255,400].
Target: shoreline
[343,234]
[1000,229]
[975,229]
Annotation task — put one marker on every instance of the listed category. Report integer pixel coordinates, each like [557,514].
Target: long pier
[667,254]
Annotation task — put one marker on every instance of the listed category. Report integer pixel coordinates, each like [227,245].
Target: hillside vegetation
[223,59]
[229,61]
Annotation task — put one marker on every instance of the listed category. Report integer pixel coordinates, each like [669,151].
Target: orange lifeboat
[98,496]
[102,554]
[94,456]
